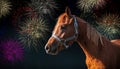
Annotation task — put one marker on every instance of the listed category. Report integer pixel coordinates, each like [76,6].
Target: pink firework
[11,51]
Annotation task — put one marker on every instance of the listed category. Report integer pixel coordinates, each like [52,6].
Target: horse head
[64,33]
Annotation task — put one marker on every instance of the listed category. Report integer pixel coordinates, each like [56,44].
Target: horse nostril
[47,48]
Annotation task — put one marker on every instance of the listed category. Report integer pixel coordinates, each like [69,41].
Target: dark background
[71,58]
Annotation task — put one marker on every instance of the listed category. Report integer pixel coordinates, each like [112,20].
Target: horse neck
[89,39]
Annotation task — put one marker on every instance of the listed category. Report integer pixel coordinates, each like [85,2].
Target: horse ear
[67,10]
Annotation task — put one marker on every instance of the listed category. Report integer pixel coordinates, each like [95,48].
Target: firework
[33,30]
[21,14]
[4,7]
[11,51]
[109,25]
[88,5]
[43,7]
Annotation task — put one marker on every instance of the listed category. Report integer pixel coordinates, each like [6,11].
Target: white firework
[109,19]
[88,5]
[5,7]
[109,25]
[33,30]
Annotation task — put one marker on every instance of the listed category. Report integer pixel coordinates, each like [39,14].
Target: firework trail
[5,7]
[33,30]
[109,25]
[43,7]
[88,5]
[11,51]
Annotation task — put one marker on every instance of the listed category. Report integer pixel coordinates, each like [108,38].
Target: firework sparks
[33,30]
[21,14]
[109,25]
[88,5]
[4,7]
[42,7]
[11,51]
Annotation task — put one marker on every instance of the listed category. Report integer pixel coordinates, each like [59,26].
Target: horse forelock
[94,35]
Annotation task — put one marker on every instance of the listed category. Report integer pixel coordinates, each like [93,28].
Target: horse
[100,52]
[116,41]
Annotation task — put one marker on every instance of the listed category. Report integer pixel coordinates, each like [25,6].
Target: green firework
[5,7]
[33,30]
[88,5]
[109,25]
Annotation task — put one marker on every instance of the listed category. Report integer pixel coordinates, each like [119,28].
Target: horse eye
[63,27]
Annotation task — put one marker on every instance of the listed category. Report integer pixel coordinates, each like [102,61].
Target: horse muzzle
[51,50]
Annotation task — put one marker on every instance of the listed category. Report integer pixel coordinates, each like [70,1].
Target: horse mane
[94,35]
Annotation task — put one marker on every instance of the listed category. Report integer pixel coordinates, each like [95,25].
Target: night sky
[71,58]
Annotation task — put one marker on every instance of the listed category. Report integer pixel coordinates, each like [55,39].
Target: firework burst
[11,51]
[43,7]
[88,5]
[33,30]
[21,14]
[4,7]
[109,25]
